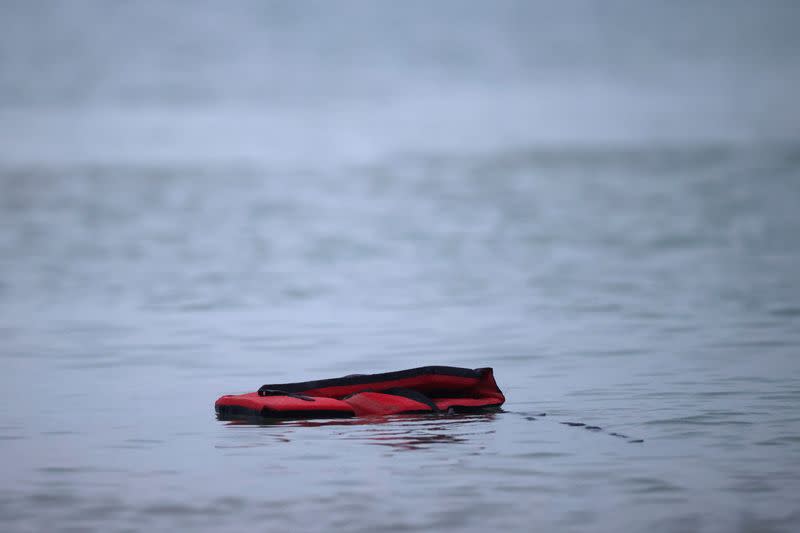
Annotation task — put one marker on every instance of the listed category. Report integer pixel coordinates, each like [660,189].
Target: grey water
[597,199]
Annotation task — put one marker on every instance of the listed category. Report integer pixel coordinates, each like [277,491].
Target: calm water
[601,202]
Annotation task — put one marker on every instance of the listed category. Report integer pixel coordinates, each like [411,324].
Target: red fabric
[377,403]
[487,387]
[445,403]
[445,391]
[423,384]
[255,402]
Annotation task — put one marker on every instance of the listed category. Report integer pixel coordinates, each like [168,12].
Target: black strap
[275,392]
[366,379]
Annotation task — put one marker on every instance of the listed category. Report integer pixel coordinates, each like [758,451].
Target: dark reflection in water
[401,432]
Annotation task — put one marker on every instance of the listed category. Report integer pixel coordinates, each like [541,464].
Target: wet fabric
[428,389]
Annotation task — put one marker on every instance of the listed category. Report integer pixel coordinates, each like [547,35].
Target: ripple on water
[705,419]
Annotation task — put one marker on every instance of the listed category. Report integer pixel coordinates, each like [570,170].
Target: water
[598,201]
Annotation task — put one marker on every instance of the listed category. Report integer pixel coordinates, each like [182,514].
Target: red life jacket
[427,389]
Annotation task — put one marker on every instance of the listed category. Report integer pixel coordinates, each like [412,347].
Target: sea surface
[600,200]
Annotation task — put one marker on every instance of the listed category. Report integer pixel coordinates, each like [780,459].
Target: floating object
[427,389]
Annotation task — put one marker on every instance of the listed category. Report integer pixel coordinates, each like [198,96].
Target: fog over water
[599,200]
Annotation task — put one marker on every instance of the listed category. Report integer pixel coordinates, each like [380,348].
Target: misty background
[597,199]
